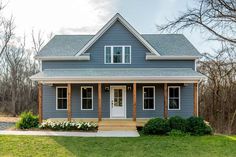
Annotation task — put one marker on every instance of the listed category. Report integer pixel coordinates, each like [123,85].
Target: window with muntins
[117,54]
[174,98]
[61,98]
[148,98]
[87,98]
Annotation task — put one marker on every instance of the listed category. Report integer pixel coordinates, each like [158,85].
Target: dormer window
[117,55]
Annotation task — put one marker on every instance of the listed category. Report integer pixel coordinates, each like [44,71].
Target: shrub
[176,133]
[156,126]
[66,125]
[197,126]
[27,120]
[177,123]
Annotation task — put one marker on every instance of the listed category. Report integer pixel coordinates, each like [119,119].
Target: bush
[197,126]
[178,123]
[177,126]
[176,133]
[156,126]
[27,121]
[66,125]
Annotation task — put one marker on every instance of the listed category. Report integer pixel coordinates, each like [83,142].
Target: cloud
[78,30]
[100,12]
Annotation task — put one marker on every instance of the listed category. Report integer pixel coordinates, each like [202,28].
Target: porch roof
[117,74]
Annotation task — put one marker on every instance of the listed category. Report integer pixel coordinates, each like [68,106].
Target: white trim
[81,98]
[59,58]
[154,57]
[108,25]
[113,81]
[179,97]
[119,78]
[40,66]
[154,97]
[57,98]
[125,101]
[112,53]
[195,65]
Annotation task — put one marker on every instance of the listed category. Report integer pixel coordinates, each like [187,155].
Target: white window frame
[154,97]
[61,98]
[169,97]
[81,96]
[123,53]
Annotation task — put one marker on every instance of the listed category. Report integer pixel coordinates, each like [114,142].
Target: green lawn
[144,146]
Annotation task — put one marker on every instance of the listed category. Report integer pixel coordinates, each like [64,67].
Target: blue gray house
[117,74]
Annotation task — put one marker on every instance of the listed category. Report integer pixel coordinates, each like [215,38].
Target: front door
[118,101]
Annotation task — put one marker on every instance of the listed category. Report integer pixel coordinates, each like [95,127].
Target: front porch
[102,103]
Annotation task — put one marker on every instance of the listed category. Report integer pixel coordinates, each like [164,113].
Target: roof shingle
[165,44]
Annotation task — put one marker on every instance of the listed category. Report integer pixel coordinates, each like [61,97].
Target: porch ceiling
[127,75]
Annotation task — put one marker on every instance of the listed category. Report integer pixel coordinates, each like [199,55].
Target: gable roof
[167,45]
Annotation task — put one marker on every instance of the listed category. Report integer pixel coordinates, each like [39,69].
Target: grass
[189,146]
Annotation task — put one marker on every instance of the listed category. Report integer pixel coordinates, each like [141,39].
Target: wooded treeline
[17,92]
[217,94]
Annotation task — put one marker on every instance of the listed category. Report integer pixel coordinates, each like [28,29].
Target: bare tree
[37,40]
[217,94]
[6,29]
[215,16]
[14,58]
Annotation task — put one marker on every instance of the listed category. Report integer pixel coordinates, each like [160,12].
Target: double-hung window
[117,54]
[174,97]
[149,98]
[87,98]
[61,98]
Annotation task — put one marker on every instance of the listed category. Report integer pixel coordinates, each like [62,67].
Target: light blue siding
[49,102]
[118,35]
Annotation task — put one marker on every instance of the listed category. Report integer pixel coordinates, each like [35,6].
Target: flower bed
[66,125]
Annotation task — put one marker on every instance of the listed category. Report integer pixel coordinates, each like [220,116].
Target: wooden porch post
[99,102]
[165,100]
[134,101]
[195,102]
[40,106]
[69,101]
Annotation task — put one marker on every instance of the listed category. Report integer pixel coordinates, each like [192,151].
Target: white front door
[118,101]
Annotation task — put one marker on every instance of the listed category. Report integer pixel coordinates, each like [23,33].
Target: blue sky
[88,16]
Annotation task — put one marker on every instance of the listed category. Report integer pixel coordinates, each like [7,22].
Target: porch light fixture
[107,89]
[129,88]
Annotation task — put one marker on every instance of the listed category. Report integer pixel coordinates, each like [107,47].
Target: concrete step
[118,124]
[114,128]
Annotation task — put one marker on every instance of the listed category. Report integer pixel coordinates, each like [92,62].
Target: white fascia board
[82,58]
[154,57]
[118,78]
[108,25]
[50,82]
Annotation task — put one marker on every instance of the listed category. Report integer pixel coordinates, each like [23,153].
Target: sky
[88,16]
